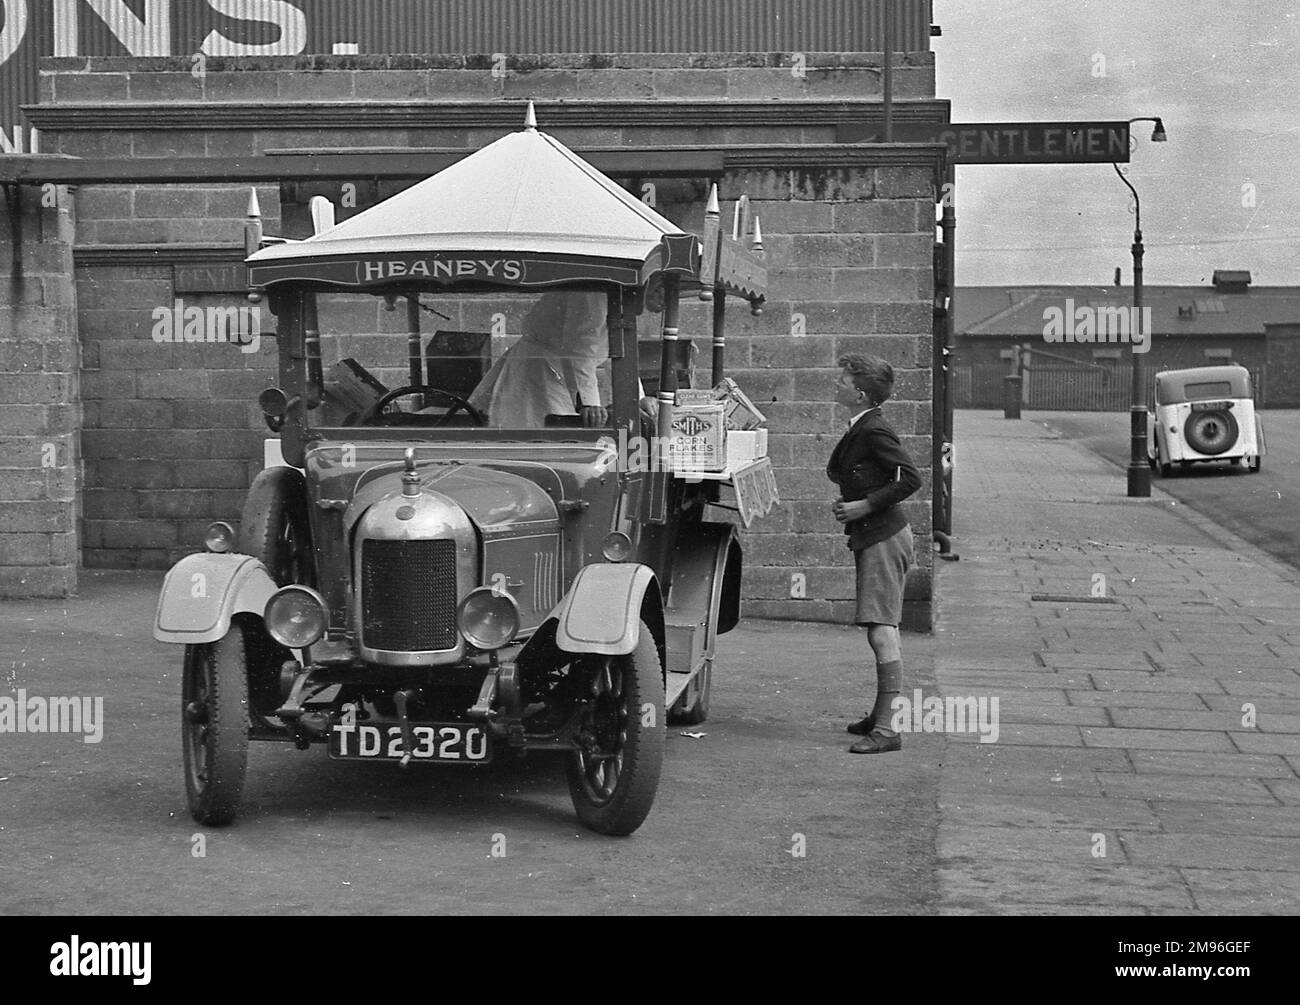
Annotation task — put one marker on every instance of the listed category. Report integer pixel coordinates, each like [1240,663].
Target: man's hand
[845,512]
[649,410]
[595,416]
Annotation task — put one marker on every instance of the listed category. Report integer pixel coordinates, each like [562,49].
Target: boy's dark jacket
[869,463]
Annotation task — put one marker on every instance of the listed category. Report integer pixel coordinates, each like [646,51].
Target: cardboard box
[691,397]
[741,413]
[698,439]
[745,446]
[356,385]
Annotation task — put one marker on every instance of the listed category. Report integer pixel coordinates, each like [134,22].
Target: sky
[1222,193]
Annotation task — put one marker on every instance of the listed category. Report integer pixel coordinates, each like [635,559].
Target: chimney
[1231,280]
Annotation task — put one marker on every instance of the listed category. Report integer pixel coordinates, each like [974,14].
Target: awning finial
[713,207]
[530,120]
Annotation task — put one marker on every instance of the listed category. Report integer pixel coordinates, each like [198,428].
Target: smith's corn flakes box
[698,439]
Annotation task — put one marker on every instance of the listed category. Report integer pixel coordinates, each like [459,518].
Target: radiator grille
[408,595]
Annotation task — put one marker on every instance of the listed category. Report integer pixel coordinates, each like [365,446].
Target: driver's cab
[511,362]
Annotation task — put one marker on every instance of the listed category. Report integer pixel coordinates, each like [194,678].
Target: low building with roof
[1073,364]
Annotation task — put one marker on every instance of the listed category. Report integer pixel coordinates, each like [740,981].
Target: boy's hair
[871,374]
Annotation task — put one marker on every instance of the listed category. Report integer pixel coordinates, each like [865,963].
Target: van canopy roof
[523,211]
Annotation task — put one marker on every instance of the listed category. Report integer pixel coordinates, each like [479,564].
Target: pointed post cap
[254,209]
[530,118]
[713,208]
[758,236]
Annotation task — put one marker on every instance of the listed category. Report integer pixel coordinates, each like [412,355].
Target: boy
[874,474]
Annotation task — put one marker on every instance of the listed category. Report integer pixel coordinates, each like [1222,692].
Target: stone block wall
[39,397]
[172,435]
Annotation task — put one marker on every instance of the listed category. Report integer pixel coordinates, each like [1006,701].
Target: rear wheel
[214,727]
[274,528]
[1257,462]
[613,777]
[1165,468]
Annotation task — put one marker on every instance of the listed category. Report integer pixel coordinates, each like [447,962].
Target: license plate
[382,741]
[1210,406]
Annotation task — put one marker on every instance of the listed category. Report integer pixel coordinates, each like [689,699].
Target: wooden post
[719,334]
[311,348]
[668,365]
[413,355]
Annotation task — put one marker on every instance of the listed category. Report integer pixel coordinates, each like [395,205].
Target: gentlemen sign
[1011,142]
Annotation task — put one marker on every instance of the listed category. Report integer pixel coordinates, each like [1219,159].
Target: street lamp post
[1139,471]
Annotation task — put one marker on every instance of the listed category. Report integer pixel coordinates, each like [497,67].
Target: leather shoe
[877,743]
[862,727]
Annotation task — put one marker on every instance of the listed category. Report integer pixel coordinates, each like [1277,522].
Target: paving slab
[1142,739]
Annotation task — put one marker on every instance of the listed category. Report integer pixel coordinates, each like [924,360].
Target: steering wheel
[458,404]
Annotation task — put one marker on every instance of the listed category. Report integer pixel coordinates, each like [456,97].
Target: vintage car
[419,584]
[1201,414]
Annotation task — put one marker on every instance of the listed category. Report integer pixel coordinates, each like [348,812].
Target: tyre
[1165,468]
[274,527]
[692,707]
[1211,432]
[1256,465]
[214,727]
[614,776]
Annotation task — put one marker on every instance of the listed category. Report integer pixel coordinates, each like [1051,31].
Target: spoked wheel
[614,776]
[274,528]
[214,727]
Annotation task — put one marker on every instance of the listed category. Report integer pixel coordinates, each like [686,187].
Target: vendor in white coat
[551,367]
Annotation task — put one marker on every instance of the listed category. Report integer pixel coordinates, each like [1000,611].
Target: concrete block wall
[849,271]
[172,433]
[39,398]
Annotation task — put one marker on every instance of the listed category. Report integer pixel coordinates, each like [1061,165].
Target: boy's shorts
[882,572]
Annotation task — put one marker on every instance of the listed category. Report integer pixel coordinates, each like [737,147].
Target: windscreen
[507,362]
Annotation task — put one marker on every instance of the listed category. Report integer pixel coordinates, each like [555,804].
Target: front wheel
[214,727]
[614,774]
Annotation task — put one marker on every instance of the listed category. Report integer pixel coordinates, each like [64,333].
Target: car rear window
[1209,389]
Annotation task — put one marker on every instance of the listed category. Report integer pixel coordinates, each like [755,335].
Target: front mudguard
[203,592]
[604,608]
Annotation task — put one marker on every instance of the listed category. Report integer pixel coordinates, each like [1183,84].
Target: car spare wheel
[615,773]
[274,528]
[1211,432]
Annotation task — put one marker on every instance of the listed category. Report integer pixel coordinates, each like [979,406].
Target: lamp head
[1158,135]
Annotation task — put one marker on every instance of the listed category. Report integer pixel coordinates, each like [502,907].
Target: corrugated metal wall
[179,27]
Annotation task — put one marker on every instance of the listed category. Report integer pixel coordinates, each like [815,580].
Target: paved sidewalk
[1129,776]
